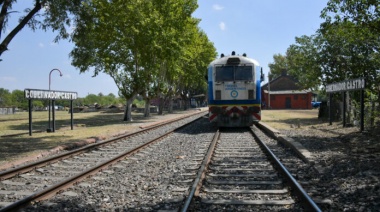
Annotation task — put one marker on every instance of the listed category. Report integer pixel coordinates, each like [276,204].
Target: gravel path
[348,163]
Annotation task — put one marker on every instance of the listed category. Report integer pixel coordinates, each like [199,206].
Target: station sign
[49,94]
[347,85]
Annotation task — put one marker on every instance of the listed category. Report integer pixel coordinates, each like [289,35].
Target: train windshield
[224,73]
[233,73]
[243,73]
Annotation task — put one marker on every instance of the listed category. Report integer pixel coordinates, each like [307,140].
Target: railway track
[241,173]
[34,182]
[190,170]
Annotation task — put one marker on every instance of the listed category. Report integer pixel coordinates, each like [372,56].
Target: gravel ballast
[346,160]
[348,163]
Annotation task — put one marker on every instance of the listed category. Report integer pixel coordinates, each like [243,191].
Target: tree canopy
[146,46]
[42,14]
[143,45]
[346,46]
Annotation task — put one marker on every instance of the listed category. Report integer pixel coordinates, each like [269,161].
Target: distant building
[7,110]
[283,93]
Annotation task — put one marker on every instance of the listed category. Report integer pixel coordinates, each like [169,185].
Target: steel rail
[52,190]
[305,199]
[201,173]
[29,167]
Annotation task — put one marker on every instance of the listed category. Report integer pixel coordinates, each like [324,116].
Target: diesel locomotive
[234,91]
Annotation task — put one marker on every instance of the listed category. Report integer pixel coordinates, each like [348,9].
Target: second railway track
[33,182]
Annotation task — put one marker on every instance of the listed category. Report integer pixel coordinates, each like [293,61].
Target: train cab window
[243,73]
[224,73]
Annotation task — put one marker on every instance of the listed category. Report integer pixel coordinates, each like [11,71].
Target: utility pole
[269,90]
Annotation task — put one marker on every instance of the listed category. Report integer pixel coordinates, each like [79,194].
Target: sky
[259,28]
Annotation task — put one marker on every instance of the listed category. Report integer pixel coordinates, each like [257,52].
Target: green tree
[91,99]
[196,59]
[279,65]
[135,42]
[363,13]
[37,104]
[110,99]
[109,38]
[19,100]
[350,32]
[56,16]
[303,62]
[5,98]
[352,43]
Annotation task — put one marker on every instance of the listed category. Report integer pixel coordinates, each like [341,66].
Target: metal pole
[330,112]
[361,110]
[268,90]
[60,74]
[30,117]
[49,125]
[71,111]
[53,109]
[344,108]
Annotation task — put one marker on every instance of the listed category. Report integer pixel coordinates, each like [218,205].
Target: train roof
[243,59]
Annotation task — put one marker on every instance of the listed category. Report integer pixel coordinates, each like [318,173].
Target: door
[288,103]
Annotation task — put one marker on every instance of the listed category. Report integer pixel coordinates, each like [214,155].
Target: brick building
[285,94]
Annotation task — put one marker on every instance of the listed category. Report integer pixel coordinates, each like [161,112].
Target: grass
[98,125]
[287,119]
[19,123]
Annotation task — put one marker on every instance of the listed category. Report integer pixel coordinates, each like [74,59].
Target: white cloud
[222,26]
[41,45]
[217,7]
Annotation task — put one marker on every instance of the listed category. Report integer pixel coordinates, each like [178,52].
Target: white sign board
[50,94]
[348,85]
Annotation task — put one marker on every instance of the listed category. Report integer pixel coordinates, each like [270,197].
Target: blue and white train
[234,91]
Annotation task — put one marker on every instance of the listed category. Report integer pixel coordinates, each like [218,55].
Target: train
[234,91]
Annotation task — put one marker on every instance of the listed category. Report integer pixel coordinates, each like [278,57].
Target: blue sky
[259,28]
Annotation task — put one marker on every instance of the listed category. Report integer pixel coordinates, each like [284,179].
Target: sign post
[348,85]
[31,94]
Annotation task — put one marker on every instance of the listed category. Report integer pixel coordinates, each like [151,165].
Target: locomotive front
[234,91]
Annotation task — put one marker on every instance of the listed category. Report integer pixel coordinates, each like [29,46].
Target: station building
[284,93]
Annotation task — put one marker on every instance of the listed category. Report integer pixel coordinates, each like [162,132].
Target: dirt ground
[18,147]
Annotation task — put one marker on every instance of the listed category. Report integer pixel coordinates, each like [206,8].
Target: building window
[303,97]
[295,97]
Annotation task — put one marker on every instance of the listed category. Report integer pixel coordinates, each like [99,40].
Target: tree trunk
[186,103]
[147,108]
[349,110]
[170,109]
[128,110]
[161,106]
[373,108]
[4,44]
